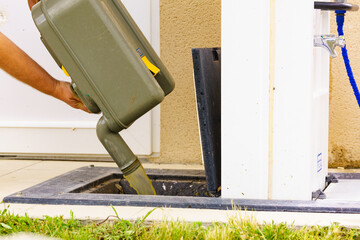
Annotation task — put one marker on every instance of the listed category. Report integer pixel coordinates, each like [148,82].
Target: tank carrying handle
[153,69]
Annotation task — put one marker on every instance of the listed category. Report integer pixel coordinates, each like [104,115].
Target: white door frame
[78,131]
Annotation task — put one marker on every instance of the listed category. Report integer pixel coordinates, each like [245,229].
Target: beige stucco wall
[187,24]
[184,24]
[344,135]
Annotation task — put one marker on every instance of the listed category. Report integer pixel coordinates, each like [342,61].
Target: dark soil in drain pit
[162,187]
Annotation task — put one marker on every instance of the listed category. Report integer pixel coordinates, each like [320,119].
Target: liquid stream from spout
[140,182]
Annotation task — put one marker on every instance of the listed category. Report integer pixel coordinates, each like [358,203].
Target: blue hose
[340,18]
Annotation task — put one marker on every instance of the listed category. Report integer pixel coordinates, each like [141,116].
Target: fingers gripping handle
[87,100]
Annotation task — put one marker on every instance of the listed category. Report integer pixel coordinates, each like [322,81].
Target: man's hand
[65,94]
[32,3]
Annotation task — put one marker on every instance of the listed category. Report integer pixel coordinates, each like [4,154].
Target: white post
[274,100]
[245,98]
[293,94]
[300,103]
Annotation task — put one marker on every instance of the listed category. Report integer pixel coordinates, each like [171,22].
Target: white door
[34,123]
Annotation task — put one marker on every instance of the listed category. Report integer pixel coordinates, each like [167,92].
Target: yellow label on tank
[66,73]
[155,70]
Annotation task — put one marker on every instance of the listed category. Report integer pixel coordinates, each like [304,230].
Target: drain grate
[193,186]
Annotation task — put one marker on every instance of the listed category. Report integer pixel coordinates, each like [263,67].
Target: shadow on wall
[344,119]
[341,157]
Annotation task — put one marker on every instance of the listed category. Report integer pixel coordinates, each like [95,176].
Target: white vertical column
[275,93]
[293,128]
[155,43]
[245,98]
[321,102]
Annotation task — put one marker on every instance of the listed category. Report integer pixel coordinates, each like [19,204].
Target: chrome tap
[329,42]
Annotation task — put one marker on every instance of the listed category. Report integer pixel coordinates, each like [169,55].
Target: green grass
[235,228]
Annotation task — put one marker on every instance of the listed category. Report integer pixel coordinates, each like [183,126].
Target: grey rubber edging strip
[57,191]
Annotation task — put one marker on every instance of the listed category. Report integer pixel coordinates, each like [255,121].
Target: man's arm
[19,65]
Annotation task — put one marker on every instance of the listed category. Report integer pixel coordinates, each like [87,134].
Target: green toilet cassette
[112,66]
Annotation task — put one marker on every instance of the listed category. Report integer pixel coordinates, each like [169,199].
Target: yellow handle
[66,73]
[155,70]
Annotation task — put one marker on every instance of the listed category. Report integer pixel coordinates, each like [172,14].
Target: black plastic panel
[207,74]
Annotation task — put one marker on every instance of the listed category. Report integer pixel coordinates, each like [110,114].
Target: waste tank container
[114,69]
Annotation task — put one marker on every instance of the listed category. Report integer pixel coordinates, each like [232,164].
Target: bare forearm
[18,64]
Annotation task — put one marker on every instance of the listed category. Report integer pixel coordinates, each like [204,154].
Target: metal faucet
[329,42]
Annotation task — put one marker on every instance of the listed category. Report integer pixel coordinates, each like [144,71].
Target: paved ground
[17,175]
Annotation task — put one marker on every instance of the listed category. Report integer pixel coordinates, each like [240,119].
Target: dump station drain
[162,185]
